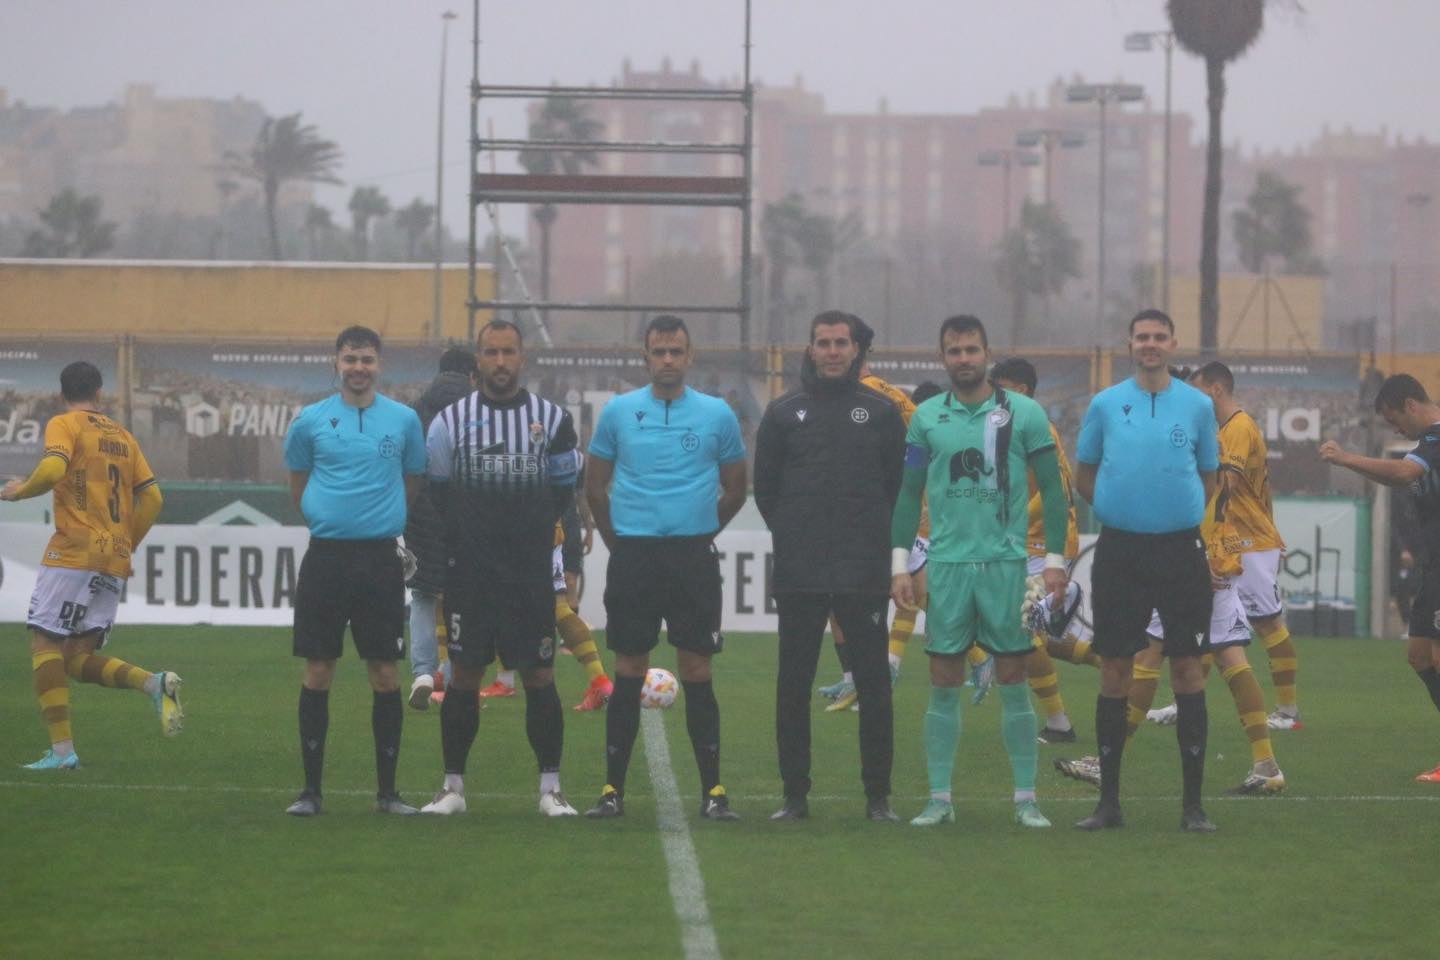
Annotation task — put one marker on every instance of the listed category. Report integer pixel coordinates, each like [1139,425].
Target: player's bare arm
[298,481]
[733,484]
[598,474]
[1085,480]
[1391,473]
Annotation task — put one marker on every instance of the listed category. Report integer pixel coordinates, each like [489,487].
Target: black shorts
[485,619]
[355,582]
[1425,610]
[1134,574]
[674,579]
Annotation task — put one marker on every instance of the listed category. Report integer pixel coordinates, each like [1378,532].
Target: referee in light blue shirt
[1147,458]
[666,473]
[356,459]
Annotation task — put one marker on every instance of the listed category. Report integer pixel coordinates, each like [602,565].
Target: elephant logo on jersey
[689,443]
[969,463]
[1178,436]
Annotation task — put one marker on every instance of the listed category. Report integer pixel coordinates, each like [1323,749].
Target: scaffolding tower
[487,189]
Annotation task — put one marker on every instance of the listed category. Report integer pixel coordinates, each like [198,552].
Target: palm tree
[285,149]
[560,118]
[414,219]
[1218,31]
[821,239]
[1037,258]
[366,203]
[73,227]
[779,225]
[317,221]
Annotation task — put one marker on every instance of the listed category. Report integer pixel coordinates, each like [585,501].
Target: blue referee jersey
[1150,449]
[667,455]
[357,458]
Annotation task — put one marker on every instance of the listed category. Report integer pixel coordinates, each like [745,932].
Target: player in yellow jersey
[105,501]
[1063,636]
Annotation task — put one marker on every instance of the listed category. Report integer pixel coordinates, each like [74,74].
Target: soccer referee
[355,458]
[1147,455]
[666,473]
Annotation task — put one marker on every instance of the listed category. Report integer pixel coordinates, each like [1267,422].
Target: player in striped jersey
[106,500]
[502,466]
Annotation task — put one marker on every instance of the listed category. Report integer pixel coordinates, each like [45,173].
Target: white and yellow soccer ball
[659,690]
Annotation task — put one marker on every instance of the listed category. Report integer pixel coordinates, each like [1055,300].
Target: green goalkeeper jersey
[975,482]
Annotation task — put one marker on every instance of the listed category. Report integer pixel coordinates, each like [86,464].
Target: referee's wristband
[899,561]
[1054,561]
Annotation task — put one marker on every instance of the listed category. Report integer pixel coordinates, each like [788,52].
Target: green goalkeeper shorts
[972,603]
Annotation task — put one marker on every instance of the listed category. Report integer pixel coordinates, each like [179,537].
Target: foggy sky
[366,72]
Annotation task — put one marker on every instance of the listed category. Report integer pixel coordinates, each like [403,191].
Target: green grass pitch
[179,848]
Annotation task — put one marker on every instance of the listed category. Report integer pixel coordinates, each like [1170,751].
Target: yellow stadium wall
[1304,296]
[233,300]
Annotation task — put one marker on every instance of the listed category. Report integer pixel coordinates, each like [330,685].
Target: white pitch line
[687,886]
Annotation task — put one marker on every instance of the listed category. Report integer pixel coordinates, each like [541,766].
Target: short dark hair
[458,360]
[498,324]
[963,323]
[1396,390]
[924,391]
[864,335]
[1016,370]
[1215,372]
[854,324]
[357,336]
[1151,313]
[666,323]
[80,381]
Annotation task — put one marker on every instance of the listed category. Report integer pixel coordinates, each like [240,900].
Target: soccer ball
[659,690]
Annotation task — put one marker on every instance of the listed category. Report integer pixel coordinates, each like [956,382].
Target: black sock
[545,726]
[387,716]
[314,722]
[459,720]
[622,723]
[1191,726]
[1110,737]
[843,656]
[702,720]
[1431,678]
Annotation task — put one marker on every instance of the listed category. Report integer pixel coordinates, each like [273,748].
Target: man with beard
[828,458]
[968,452]
[356,459]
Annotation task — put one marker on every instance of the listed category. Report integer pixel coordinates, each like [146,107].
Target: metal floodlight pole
[1102,94]
[1142,43]
[1005,159]
[748,105]
[435,319]
[474,169]
[1047,139]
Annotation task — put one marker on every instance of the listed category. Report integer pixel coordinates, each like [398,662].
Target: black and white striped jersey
[502,473]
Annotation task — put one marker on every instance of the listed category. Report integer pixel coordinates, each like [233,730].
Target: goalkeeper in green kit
[967,451]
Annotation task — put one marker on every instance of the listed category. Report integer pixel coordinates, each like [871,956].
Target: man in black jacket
[828,463]
[425,536]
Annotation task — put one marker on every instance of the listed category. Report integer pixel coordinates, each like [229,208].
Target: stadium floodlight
[1102,94]
[1143,42]
[1006,158]
[1047,139]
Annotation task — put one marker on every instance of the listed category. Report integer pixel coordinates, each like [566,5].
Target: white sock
[1060,721]
[849,677]
[942,795]
[550,782]
[506,677]
[152,683]
[1023,796]
[63,749]
[455,783]
[894,660]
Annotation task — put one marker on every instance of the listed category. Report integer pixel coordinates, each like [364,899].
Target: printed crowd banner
[30,392]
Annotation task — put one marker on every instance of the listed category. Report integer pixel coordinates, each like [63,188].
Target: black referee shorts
[1136,573]
[1425,611]
[486,619]
[356,582]
[674,579]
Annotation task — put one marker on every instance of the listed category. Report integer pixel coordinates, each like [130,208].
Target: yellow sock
[976,656]
[1206,663]
[1142,697]
[53,692]
[575,634]
[1071,650]
[1250,703]
[106,671]
[1044,681]
[901,630]
[1284,660]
